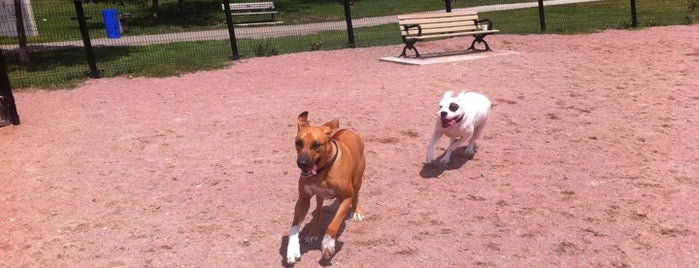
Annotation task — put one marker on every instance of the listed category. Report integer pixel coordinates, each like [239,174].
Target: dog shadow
[459,158]
[328,215]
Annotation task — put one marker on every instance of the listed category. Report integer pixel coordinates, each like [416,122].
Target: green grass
[57,17]
[66,68]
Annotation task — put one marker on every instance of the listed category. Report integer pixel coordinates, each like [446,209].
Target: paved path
[266,31]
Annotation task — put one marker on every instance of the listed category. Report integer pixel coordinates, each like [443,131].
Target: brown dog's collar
[332,161]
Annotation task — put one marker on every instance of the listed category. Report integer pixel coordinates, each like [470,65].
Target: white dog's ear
[448,94]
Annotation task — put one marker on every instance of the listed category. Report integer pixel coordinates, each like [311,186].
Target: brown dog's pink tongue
[452,122]
[314,170]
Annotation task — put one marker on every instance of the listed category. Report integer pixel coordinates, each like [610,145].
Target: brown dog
[332,165]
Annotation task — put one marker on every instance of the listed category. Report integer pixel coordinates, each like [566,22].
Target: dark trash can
[111,23]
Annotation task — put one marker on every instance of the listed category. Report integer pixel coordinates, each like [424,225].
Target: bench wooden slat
[433,36]
[437,15]
[445,26]
[448,24]
[468,18]
[252,13]
[251,6]
[434,33]
[466,29]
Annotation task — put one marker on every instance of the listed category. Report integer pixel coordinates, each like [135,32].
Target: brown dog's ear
[302,120]
[330,127]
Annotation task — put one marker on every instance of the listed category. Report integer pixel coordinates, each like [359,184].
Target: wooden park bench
[423,26]
[252,9]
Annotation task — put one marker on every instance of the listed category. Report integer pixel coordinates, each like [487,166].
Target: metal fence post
[542,18]
[634,18]
[447,4]
[7,100]
[350,29]
[231,30]
[93,72]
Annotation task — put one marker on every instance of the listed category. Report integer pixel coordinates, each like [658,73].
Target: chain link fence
[134,37]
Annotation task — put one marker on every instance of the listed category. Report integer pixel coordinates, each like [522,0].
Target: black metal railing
[72,34]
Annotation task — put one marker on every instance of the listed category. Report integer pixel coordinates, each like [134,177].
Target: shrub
[317,45]
[692,5]
[266,49]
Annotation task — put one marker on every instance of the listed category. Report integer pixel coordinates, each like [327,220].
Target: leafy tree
[155,5]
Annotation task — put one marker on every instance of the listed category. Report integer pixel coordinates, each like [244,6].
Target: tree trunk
[8,110]
[180,6]
[21,34]
[154,11]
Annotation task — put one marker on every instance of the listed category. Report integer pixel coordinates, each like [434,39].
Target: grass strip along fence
[149,52]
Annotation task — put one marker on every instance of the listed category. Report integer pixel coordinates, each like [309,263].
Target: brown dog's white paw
[293,249]
[357,216]
[328,246]
[291,258]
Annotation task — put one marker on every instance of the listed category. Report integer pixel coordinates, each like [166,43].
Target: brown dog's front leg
[293,249]
[358,214]
[317,220]
[328,246]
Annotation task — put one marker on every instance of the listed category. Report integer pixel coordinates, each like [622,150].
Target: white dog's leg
[455,143]
[328,247]
[470,149]
[430,146]
[293,250]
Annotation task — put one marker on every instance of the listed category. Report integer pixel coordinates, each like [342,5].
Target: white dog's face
[450,110]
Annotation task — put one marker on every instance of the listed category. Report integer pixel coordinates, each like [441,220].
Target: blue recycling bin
[111,22]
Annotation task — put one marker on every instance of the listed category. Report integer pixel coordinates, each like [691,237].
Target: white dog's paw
[311,239]
[445,160]
[470,151]
[328,246]
[293,252]
[429,155]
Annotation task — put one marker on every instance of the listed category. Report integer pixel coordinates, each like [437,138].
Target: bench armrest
[419,28]
[488,22]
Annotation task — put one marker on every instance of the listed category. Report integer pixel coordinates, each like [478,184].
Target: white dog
[460,118]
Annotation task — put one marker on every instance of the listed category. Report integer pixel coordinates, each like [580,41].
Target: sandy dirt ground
[590,159]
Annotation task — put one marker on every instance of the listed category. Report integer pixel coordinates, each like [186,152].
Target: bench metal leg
[480,39]
[410,44]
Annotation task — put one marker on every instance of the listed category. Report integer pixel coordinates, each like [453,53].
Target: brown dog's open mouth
[448,122]
[307,172]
